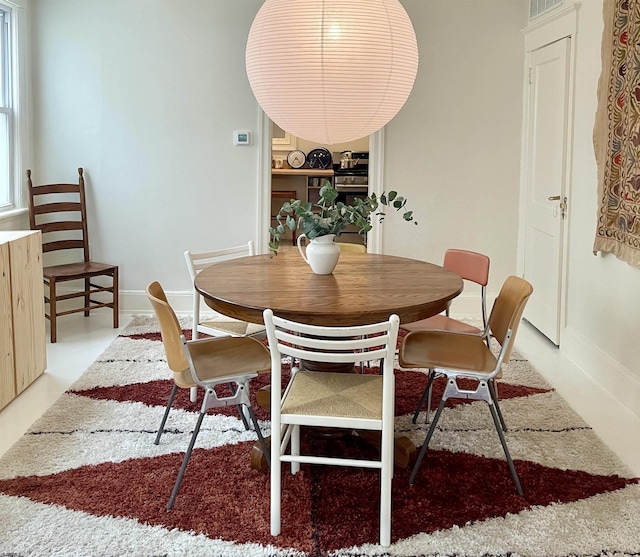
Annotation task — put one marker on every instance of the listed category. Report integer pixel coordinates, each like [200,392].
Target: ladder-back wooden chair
[59,211]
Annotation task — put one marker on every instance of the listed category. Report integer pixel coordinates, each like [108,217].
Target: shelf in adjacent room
[302,172]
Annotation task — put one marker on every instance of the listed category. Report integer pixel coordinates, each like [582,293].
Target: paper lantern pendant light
[331,71]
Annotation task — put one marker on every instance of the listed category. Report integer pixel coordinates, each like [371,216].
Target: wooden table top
[364,288]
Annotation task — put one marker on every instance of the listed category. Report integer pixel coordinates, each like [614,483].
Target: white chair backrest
[332,344]
[198,261]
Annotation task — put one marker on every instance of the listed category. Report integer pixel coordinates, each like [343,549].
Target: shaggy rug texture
[88,480]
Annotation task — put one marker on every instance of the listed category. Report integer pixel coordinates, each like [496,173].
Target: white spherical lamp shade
[331,71]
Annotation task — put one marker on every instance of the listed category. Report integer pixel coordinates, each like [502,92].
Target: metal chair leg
[426,395]
[427,440]
[512,468]
[494,396]
[185,461]
[233,390]
[174,390]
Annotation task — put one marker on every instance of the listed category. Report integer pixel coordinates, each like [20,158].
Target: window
[7,134]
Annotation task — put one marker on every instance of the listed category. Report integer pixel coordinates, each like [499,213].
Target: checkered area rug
[87,479]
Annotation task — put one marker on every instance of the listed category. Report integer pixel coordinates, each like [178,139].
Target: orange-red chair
[471,266]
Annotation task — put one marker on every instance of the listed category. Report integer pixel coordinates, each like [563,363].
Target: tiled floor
[82,340]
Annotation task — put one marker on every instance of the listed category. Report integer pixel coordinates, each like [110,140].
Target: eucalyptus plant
[329,216]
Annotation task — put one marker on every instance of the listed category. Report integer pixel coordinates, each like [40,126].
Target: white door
[545,189]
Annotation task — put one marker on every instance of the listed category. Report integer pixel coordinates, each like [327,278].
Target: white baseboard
[135,302]
[609,374]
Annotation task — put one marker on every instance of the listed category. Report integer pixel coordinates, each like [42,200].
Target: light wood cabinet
[22,325]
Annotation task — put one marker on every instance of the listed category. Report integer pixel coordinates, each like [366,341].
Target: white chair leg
[276,473]
[295,448]
[193,394]
[386,475]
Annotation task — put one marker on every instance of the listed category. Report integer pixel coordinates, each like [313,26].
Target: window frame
[13,99]
[6,105]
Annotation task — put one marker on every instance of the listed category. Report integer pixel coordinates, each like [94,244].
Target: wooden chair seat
[439,349]
[73,271]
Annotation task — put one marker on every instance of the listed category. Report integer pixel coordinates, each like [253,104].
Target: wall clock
[296,158]
[319,158]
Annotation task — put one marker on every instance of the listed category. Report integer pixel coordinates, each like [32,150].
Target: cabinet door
[7,367]
[28,309]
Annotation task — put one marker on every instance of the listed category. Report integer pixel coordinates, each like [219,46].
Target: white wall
[454,149]
[603,324]
[145,96]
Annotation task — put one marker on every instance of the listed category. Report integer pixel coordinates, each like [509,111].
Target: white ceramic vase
[321,253]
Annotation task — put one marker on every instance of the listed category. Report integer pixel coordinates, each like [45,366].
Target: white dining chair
[221,326]
[328,399]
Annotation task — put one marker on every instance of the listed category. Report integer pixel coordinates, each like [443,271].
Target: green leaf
[330,216]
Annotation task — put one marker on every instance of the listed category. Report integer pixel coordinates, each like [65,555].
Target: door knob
[563,204]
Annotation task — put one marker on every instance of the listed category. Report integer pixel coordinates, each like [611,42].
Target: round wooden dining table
[364,288]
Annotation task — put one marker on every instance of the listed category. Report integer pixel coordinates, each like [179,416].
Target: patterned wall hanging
[617,133]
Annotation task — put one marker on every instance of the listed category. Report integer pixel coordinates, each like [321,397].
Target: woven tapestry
[617,133]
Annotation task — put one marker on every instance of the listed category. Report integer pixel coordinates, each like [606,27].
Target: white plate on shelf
[296,158]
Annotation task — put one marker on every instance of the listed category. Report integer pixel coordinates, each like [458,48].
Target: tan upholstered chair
[59,211]
[473,267]
[331,400]
[210,362]
[352,248]
[463,355]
